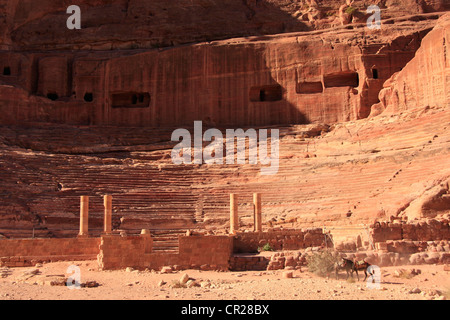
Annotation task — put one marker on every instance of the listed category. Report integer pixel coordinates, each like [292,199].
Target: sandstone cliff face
[396,164]
[328,76]
[130,24]
[425,80]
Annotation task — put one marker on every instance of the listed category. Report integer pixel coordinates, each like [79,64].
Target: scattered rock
[129,269]
[161,283]
[166,270]
[287,275]
[192,283]
[90,284]
[184,278]
[31,272]
[415,291]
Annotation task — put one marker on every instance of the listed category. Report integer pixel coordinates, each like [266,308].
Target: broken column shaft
[107,221]
[257,212]
[84,215]
[234,218]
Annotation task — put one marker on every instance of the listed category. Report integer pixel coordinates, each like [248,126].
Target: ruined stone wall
[424,230]
[211,252]
[279,240]
[24,252]
[120,252]
[205,252]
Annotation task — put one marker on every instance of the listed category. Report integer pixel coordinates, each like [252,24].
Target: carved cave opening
[266,93]
[309,87]
[375,74]
[88,97]
[52,96]
[7,71]
[130,100]
[341,79]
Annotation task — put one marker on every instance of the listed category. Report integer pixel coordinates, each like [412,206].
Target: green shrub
[350,10]
[266,247]
[322,263]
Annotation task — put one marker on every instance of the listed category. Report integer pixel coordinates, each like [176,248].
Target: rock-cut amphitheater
[87,116]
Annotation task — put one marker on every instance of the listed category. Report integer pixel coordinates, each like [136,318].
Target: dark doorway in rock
[266,93]
[375,74]
[130,100]
[52,96]
[88,97]
[6,71]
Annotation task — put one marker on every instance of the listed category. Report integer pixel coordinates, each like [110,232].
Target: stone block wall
[280,240]
[245,263]
[197,252]
[423,230]
[26,252]
[207,252]
[408,246]
[118,252]
[386,231]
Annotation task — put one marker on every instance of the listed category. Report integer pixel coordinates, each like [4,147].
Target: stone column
[257,212]
[107,223]
[234,218]
[84,216]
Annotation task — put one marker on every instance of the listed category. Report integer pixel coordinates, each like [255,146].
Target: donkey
[362,265]
[352,266]
[347,265]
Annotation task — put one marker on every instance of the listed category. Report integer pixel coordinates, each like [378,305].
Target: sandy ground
[18,284]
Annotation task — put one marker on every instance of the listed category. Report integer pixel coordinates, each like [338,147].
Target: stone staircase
[166,241]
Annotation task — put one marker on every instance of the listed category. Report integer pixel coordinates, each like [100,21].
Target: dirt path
[21,284]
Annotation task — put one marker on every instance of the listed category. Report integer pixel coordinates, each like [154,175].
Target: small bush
[322,263]
[350,10]
[266,247]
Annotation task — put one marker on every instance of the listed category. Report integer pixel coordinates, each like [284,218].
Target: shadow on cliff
[149,24]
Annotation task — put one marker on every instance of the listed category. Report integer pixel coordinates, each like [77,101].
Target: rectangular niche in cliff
[341,79]
[309,87]
[266,93]
[130,100]
[375,74]
[6,71]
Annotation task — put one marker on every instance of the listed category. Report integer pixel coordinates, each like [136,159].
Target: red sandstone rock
[142,24]
[331,76]
[369,166]
[424,81]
